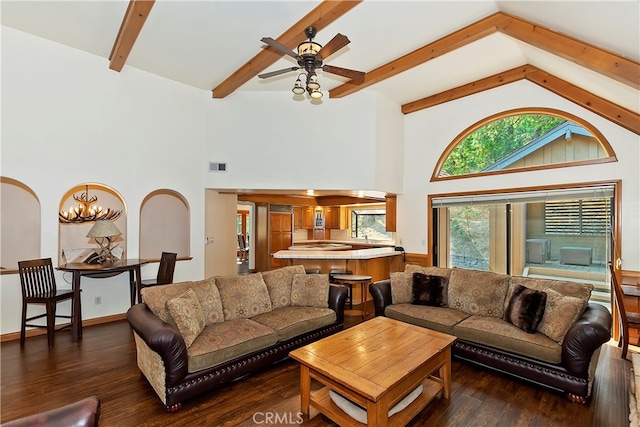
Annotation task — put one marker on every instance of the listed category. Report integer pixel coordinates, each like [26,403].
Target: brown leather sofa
[167,362]
[83,413]
[578,352]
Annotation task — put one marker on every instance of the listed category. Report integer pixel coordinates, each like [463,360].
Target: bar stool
[349,280]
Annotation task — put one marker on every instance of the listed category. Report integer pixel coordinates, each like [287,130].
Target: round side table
[349,280]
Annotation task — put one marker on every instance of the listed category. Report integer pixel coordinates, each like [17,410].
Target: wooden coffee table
[375,364]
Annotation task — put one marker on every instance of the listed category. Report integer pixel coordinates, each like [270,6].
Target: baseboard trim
[12,336]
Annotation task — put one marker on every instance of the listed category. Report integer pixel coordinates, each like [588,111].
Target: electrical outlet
[98,300]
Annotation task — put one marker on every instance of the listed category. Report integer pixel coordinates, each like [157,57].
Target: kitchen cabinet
[308,215]
[303,217]
[332,217]
[297,217]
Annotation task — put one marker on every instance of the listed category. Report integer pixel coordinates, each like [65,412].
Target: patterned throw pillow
[278,283]
[428,290]
[188,316]
[401,287]
[559,314]
[526,308]
[310,290]
[243,296]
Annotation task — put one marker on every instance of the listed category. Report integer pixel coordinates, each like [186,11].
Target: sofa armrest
[163,339]
[585,336]
[381,294]
[337,300]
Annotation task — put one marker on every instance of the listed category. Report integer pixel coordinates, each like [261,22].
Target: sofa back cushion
[310,290]
[479,293]
[566,301]
[156,298]
[278,283]
[243,296]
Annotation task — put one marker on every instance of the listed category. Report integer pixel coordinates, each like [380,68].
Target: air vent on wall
[217,167]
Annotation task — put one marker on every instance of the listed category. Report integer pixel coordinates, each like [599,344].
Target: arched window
[522,139]
[164,225]
[20,212]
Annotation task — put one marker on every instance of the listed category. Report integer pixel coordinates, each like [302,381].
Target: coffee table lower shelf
[322,403]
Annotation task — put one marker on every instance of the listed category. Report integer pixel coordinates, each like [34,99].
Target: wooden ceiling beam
[599,60]
[132,23]
[492,82]
[600,106]
[446,44]
[324,14]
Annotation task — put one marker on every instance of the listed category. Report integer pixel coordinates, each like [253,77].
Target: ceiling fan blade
[355,76]
[334,45]
[279,47]
[277,73]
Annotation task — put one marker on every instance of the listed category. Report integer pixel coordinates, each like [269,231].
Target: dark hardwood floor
[35,379]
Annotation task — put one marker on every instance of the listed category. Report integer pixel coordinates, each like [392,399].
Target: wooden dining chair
[626,319]
[39,287]
[165,270]
[243,249]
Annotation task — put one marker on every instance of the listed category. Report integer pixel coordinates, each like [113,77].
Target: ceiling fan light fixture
[312,82]
[298,89]
[315,94]
[309,47]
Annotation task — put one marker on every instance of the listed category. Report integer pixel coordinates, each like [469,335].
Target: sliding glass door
[559,234]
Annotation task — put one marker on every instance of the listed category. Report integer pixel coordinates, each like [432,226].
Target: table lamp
[103,231]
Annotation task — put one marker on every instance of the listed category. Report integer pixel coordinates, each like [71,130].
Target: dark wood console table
[80,269]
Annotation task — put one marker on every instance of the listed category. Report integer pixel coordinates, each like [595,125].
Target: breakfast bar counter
[376,262]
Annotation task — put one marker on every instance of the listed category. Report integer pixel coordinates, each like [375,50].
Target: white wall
[68,119]
[270,141]
[428,132]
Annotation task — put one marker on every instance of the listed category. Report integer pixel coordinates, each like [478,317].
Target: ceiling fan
[310,57]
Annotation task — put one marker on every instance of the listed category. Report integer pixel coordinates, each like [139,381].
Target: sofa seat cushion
[479,293]
[441,319]
[221,342]
[290,322]
[503,335]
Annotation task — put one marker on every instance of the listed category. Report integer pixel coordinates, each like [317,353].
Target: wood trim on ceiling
[599,60]
[132,23]
[324,14]
[609,110]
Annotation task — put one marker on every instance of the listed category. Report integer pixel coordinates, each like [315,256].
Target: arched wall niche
[20,226]
[573,142]
[72,237]
[164,225]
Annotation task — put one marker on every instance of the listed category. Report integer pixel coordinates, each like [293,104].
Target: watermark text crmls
[278,418]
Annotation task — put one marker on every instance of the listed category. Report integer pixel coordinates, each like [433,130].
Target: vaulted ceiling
[417,53]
